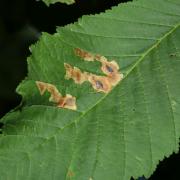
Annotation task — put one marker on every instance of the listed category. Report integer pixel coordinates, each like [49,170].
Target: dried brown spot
[68,101]
[100,58]
[75,74]
[114,79]
[111,69]
[100,83]
[107,67]
[55,95]
[84,54]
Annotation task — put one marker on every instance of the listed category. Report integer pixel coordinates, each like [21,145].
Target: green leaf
[111,136]
[48,2]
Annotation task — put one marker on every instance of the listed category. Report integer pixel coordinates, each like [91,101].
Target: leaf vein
[141,81]
[130,21]
[114,37]
[155,10]
[165,84]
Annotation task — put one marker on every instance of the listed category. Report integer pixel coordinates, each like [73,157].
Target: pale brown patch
[68,101]
[108,67]
[114,79]
[99,83]
[84,54]
[75,74]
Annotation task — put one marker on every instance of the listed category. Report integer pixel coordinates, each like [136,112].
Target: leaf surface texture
[114,136]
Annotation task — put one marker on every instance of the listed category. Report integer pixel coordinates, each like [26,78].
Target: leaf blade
[115,135]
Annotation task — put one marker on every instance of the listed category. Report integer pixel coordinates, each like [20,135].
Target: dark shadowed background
[21,24]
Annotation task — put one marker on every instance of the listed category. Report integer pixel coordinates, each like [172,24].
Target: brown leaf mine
[84,54]
[68,102]
[75,74]
[99,83]
[114,79]
[107,67]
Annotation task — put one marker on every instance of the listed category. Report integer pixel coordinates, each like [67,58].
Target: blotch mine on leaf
[67,102]
[115,78]
[75,74]
[99,83]
[107,67]
[84,54]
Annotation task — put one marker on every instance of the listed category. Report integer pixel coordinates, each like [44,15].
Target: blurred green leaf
[48,2]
